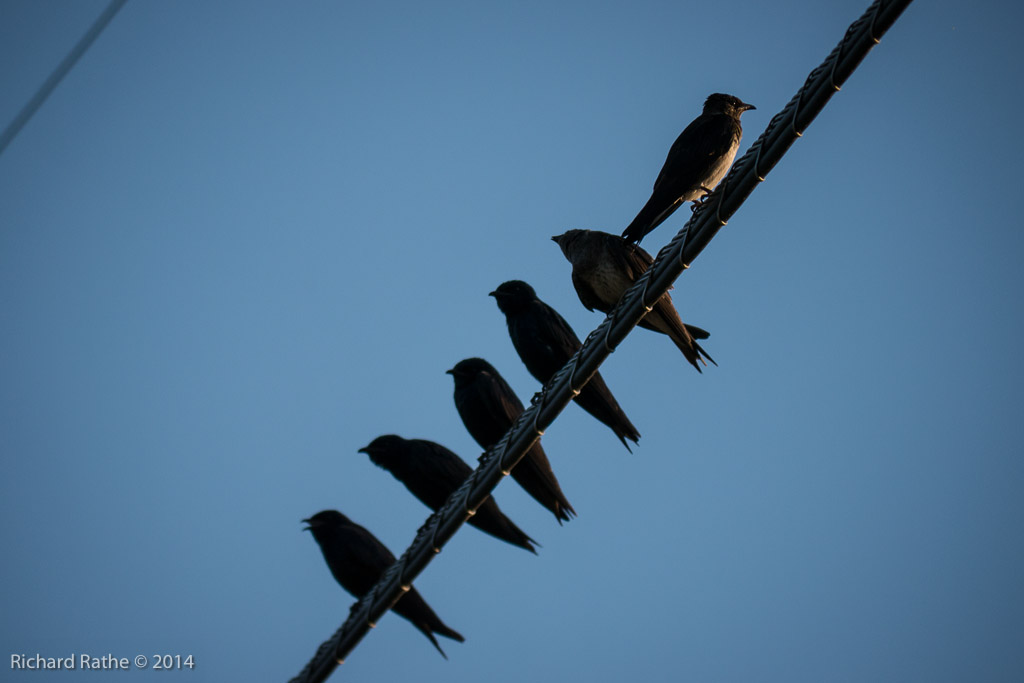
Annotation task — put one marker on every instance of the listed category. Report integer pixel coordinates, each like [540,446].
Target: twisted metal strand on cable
[757,145]
[574,386]
[835,63]
[509,457]
[435,543]
[536,413]
[606,342]
[876,37]
[462,495]
[389,575]
[601,331]
[741,180]
[645,282]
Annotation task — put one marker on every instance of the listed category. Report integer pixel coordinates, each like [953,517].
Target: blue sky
[241,240]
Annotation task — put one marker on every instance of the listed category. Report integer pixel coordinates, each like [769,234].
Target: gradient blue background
[242,239]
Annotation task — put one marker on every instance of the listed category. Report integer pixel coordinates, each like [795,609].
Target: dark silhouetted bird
[545,343]
[697,161]
[488,407]
[604,266]
[431,472]
[357,559]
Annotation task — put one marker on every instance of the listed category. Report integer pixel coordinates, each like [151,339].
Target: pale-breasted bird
[604,266]
[696,163]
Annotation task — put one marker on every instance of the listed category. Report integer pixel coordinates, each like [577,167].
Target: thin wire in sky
[59,73]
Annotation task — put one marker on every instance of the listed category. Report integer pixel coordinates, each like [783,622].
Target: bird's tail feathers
[684,340]
[597,399]
[490,520]
[691,350]
[702,352]
[447,632]
[428,634]
[649,218]
[540,482]
[429,628]
[696,332]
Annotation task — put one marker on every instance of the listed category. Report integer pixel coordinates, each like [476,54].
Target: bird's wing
[554,339]
[363,556]
[629,258]
[697,332]
[708,136]
[499,399]
[366,546]
[634,260]
[588,297]
[439,468]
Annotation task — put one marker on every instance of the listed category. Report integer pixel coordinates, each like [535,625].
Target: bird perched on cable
[604,266]
[432,473]
[357,559]
[697,161]
[488,407]
[545,343]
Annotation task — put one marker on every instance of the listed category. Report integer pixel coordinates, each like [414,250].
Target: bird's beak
[364,449]
[308,528]
[494,294]
[748,106]
[555,238]
[450,372]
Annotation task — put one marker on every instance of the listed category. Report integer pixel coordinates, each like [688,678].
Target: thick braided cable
[783,130]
